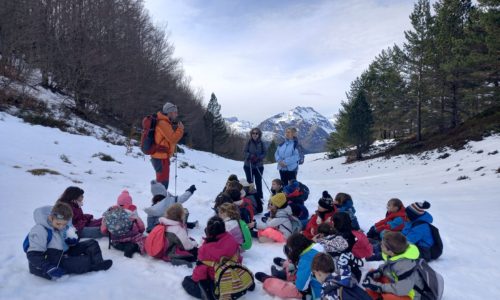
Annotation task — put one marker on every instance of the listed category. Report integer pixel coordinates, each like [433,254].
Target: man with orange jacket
[168,132]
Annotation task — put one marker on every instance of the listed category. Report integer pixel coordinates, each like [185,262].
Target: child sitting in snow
[181,248]
[276,186]
[235,194]
[162,200]
[343,203]
[53,249]
[217,244]
[85,224]
[336,280]
[230,213]
[278,227]
[324,214]
[417,229]
[394,220]
[394,279]
[131,241]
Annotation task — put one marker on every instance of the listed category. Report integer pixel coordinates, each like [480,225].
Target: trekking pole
[268,189]
[175,178]
[251,173]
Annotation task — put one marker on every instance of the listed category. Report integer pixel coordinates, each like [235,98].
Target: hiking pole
[251,173]
[262,177]
[175,177]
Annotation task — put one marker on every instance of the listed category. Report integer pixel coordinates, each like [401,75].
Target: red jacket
[225,246]
[383,224]
[81,220]
[312,226]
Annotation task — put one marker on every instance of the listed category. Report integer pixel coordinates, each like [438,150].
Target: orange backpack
[156,242]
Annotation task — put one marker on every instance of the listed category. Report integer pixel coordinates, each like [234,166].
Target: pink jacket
[180,230]
[224,246]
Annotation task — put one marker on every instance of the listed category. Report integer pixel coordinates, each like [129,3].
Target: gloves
[254,158]
[374,274]
[191,189]
[55,273]
[71,241]
[371,284]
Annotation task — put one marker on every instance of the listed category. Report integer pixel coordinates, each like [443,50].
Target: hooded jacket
[257,151]
[179,232]
[398,266]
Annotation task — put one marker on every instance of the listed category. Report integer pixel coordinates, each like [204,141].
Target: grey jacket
[400,271]
[158,210]
[281,221]
[38,234]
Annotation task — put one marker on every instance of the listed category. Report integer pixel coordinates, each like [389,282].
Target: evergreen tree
[270,152]
[418,48]
[359,123]
[215,123]
[353,124]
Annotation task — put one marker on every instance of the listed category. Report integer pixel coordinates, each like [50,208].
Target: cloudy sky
[263,57]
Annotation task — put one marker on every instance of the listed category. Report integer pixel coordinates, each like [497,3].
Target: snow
[465,211]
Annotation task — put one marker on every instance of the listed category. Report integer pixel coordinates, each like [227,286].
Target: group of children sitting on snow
[324,253]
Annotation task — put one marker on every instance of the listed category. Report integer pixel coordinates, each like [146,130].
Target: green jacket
[401,265]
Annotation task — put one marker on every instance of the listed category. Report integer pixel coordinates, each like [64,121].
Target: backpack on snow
[232,279]
[247,236]
[433,282]
[156,242]
[117,221]
[26,242]
[296,224]
[437,247]
[362,247]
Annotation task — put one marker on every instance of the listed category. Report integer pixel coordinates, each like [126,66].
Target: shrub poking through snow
[463,177]
[443,156]
[65,159]
[41,172]
[104,157]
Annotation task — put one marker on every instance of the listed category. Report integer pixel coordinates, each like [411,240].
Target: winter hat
[278,200]
[158,189]
[415,210]
[290,188]
[124,199]
[326,201]
[169,107]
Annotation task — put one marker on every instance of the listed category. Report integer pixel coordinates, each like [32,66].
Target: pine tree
[215,123]
[359,123]
[418,47]
[270,152]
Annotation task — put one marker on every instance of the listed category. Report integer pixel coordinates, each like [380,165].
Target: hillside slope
[466,211]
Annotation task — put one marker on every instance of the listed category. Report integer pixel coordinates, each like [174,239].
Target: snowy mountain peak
[239,126]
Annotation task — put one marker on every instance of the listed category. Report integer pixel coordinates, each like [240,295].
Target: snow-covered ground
[466,211]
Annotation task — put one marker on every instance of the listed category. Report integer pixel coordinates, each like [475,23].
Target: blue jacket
[304,277]
[420,234]
[348,207]
[289,154]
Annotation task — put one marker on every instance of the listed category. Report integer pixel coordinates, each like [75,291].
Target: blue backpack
[26,243]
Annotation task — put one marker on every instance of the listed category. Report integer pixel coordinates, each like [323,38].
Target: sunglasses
[58,216]
[255,133]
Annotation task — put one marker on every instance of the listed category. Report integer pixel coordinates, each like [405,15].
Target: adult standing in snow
[255,152]
[287,157]
[168,132]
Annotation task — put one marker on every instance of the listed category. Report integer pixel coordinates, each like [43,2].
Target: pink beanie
[124,199]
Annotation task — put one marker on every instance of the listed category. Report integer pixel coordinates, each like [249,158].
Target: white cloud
[262,61]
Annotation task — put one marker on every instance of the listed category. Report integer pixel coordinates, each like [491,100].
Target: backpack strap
[406,274]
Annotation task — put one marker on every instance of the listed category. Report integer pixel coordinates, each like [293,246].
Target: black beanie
[326,201]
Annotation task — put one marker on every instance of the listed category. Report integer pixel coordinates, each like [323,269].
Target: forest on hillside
[109,57]
[446,72]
